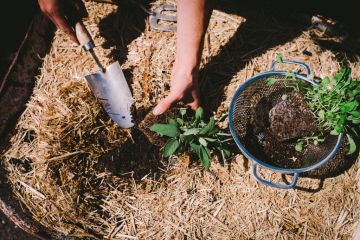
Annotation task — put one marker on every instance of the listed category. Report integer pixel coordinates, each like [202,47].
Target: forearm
[192,20]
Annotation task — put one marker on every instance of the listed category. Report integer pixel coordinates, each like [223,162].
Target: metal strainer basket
[248,109]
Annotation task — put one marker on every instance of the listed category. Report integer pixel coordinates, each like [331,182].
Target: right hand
[184,88]
[62,12]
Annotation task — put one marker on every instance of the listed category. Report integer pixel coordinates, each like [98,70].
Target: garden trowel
[109,84]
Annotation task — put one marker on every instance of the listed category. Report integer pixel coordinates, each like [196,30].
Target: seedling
[335,104]
[193,134]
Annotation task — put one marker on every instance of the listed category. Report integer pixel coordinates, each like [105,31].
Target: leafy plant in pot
[335,103]
[193,134]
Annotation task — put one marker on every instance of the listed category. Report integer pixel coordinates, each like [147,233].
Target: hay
[64,160]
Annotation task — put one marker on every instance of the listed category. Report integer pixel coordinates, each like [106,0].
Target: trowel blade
[114,93]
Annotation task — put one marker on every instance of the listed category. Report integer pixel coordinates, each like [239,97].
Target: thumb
[164,105]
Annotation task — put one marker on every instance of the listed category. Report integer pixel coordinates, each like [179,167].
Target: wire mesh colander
[248,118]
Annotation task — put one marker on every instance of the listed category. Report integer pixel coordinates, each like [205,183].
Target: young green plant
[193,134]
[335,104]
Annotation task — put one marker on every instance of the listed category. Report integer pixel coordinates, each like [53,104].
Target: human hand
[184,88]
[63,12]
[192,21]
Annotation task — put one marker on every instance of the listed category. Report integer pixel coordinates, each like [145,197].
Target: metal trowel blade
[111,88]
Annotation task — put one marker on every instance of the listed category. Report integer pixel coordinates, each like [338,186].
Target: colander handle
[277,185]
[306,67]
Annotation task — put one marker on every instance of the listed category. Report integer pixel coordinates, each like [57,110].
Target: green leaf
[205,157]
[325,81]
[355,121]
[170,148]
[215,130]
[352,144]
[224,134]
[299,146]
[203,142]
[207,151]
[203,154]
[341,122]
[210,126]
[355,114]
[182,111]
[279,58]
[290,75]
[180,121]
[329,115]
[355,131]
[195,148]
[191,131]
[270,81]
[165,129]
[187,138]
[344,73]
[321,114]
[199,115]
[334,132]
[352,118]
[226,153]
[349,106]
[339,128]
[172,122]
[210,139]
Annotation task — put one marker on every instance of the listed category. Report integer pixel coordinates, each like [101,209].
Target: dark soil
[128,159]
[151,119]
[291,118]
[148,121]
[137,158]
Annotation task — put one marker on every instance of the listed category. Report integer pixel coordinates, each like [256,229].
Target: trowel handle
[83,36]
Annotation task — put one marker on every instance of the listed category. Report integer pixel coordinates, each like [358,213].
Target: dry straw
[81,175]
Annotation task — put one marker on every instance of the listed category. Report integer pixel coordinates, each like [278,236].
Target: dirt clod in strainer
[277,128]
[291,118]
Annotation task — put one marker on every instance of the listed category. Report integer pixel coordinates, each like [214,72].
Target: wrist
[185,75]
[186,67]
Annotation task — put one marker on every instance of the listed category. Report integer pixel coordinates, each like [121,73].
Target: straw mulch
[81,175]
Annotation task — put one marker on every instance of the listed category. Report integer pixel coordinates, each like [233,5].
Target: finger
[165,104]
[80,7]
[192,99]
[194,105]
[62,24]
